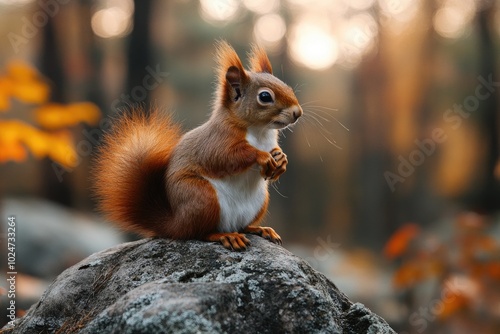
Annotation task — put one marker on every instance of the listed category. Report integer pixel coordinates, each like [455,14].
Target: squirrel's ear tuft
[231,74]
[259,62]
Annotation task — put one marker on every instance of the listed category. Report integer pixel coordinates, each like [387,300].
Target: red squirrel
[210,183]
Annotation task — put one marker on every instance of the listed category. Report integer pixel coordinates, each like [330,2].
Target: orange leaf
[405,276]
[399,241]
[10,144]
[415,271]
[487,244]
[454,302]
[12,152]
[493,270]
[56,116]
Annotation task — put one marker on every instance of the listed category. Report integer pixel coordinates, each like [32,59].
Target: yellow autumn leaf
[37,142]
[25,83]
[51,116]
[62,149]
[57,146]
[22,71]
[86,112]
[30,91]
[11,131]
[56,116]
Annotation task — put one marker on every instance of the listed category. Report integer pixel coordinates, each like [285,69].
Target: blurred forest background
[392,189]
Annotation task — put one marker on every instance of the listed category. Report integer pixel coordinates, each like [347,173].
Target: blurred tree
[139,52]
[392,86]
[52,67]
[68,59]
[485,194]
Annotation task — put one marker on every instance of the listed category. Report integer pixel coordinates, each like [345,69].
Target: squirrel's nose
[297,112]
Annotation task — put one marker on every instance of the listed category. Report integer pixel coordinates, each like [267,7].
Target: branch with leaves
[50,135]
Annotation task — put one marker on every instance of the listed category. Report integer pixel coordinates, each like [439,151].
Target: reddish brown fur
[129,173]
[259,63]
[153,180]
[226,57]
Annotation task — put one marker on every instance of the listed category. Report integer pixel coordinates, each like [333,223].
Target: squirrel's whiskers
[316,116]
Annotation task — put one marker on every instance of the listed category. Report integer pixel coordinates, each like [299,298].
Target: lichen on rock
[166,286]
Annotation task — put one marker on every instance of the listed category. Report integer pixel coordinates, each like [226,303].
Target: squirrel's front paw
[281,161]
[267,164]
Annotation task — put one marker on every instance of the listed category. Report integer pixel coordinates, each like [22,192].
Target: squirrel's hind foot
[233,241]
[265,232]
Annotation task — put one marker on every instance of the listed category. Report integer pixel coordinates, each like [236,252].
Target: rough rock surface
[165,286]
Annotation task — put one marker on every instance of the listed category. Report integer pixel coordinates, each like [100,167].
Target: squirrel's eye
[265,97]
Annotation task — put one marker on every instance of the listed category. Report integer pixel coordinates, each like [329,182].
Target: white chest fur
[262,139]
[242,196]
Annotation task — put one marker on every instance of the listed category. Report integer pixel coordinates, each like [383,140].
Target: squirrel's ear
[231,74]
[259,62]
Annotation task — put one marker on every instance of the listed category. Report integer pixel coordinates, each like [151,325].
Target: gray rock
[165,286]
[52,237]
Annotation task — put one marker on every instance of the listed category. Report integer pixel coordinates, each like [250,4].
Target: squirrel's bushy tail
[129,170]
